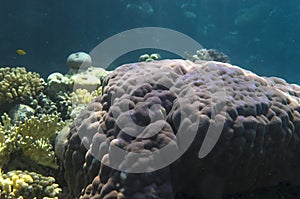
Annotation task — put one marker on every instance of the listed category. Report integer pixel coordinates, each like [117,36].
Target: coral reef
[32,137]
[64,104]
[256,148]
[43,104]
[81,98]
[18,86]
[32,118]
[36,137]
[24,184]
[65,90]
[258,144]
[89,79]
[57,82]
[71,104]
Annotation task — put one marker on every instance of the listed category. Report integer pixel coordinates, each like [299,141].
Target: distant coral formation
[70,126]
[208,55]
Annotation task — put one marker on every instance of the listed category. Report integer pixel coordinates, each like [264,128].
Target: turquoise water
[36,111]
[259,35]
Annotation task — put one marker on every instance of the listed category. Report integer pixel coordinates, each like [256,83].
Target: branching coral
[36,136]
[16,84]
[81,98]
[8,139]
[33,137]
[24,184]
[71,104]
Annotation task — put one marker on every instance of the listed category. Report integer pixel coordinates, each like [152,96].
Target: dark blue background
[260,35]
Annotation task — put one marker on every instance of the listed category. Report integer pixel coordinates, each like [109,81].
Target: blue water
[260,35]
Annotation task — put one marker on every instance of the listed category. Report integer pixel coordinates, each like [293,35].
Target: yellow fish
[21,52]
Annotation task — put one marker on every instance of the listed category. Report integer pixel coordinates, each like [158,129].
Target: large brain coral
[167,127]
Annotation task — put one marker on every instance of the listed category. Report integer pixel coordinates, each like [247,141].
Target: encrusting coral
[24,185]
[33,137]
[18,85]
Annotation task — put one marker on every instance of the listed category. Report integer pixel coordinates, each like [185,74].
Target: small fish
[21,52]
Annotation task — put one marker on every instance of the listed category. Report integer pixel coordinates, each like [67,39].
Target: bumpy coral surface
[237,132]
[24,184]
[18,85]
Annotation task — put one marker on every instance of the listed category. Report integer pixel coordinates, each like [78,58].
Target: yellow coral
[8,139]
[36,136]
[23,184]
[97,92]
[81,97]
[18,84]
[84,97]
[33,137]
